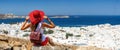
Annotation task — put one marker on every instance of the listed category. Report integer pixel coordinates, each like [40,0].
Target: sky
[61,7]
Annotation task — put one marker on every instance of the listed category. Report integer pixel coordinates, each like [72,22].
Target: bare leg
[50,41]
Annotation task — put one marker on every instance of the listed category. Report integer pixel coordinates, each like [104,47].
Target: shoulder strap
[39,26]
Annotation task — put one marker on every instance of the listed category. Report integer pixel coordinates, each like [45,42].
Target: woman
[36,18]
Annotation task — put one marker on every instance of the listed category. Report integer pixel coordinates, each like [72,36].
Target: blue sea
[74,20]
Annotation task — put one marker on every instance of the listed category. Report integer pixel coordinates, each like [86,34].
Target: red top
[36,16]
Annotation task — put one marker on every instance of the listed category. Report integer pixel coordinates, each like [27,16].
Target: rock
[3,37]
[16,48]
[13,42]
[4,45]
[8,42]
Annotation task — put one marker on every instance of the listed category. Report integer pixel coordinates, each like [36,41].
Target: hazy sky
[61,7]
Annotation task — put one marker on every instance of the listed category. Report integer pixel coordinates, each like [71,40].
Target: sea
[74,20]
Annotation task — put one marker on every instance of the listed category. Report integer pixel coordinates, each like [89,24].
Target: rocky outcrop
[7,42]
[2,16]
[13,43]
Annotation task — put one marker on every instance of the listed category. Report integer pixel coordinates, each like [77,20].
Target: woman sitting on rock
[36,24]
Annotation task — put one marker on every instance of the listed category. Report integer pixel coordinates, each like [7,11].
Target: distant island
[61,16]
[2,16]
[10,15]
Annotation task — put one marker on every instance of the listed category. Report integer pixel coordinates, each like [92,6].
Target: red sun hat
[36,16]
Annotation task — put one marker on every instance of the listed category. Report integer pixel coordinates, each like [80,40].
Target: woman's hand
[45,17]
[27,18]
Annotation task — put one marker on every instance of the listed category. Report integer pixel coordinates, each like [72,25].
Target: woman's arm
[50,25]
[25,24]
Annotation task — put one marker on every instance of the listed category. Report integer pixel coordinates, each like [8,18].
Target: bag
[35,37]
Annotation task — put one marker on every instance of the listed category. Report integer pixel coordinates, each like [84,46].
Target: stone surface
[13,42]
[8,43]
